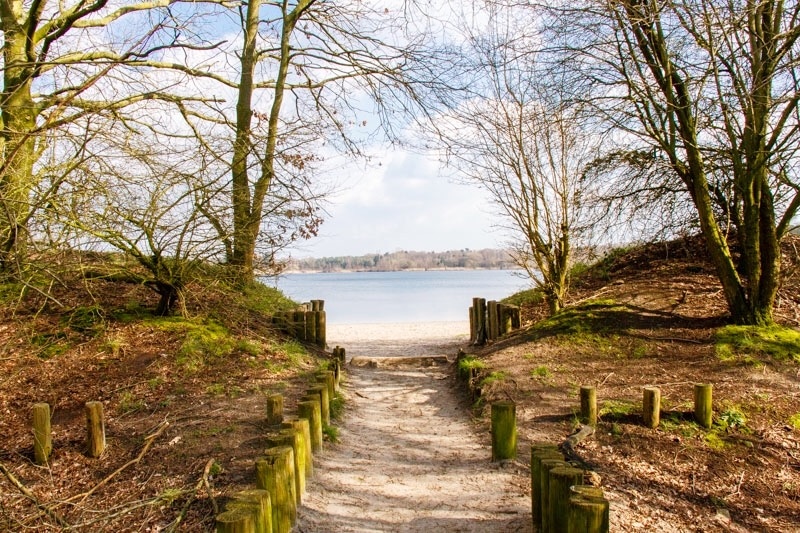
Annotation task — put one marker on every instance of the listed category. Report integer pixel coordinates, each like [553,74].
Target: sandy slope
[409,457]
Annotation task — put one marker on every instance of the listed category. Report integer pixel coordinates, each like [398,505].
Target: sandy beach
[399,339]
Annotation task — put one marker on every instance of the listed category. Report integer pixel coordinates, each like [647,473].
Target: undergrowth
[744,342]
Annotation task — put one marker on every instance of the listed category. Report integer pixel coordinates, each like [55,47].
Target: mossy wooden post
[328,379]
[589,405]
[545,466]
[504,430]
[561,479]
[95,429]
[237,520]
[259,502]
[311,327]
[651,407]
[274,409]
[506,323]
[303,429]
[516,317]
[321,329]
[42,434]
[540,451]
[492,323]
[472,325]
[317,305]
[290,437]
[275,474]
[324,403]
[479,310]
[309,409]
[588,511]
[300,324]
[334,367]
[703,411]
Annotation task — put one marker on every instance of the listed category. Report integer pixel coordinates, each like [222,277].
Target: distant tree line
[403,260]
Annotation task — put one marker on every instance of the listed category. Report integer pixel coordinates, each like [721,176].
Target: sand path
[409,456]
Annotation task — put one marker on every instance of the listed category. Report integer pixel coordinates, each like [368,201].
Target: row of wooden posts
[488,321]
[306,323]
[560,501]
[651,405]
[43,434]
[281,473]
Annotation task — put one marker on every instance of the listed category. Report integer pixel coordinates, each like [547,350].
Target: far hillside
[404,260]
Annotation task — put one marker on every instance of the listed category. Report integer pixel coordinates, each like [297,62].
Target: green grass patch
[50,345]
[492,378]
[541,372]
[526,297]
[330,433]
[794,421]
[739,342]
[337,406]
[88,320]
[129,403]
[582,321]
[615,410]
[467,364]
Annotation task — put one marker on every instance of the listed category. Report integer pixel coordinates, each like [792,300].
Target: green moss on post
[504,430]
[311,327]
[651,407]
[309,409]
[539,452]
[561,479]
[588,511]
[321,328]
[703,411]
[42,434]
[238,520]
[328,378]
[493,326]
[95,429]
[303,429]
[259,501]
[290,437]
[324,402]
[545,466]
[275,474]
[589,405]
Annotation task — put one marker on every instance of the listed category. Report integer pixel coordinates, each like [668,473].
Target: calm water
[381,297]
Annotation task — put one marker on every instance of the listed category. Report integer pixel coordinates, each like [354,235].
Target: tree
[711,89]
[521,140]
[58,66]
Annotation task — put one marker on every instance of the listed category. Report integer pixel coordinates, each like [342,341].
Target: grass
[794,421]
[615,410]
[493,377]
[467,364]
[745,342]
[526,297]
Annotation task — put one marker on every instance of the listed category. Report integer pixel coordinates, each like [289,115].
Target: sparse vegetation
[777,342]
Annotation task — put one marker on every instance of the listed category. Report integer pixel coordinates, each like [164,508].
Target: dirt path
[409,458]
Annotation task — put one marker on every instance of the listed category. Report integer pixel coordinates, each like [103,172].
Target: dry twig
[28,494]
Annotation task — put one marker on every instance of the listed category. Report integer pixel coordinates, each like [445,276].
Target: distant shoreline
[361,271]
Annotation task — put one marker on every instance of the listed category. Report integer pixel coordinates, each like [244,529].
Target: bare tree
[710,89]
[520,138]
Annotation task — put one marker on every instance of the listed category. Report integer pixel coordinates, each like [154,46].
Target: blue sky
[401,201]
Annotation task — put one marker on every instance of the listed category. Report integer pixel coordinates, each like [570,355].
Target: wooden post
[516,318]
[324,403]
[95,429]
[237,520]
[42,434]
[309,408]
[321,328]
[703,411]
[504,430]
[259,503]
[588,511]
[540,451]
[479,308]
[589,405]
[492,322]
[651,407]
[328,378]
[545,466]
[472,325]
[506,323]
[317,305]
[561,479]
[275,474]
[274,409]
[290,437]
[303,429]
[300,324]
[311,327]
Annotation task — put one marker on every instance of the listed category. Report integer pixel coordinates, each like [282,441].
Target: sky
[402,201]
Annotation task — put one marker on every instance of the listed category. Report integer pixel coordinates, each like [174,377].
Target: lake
[400,297]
